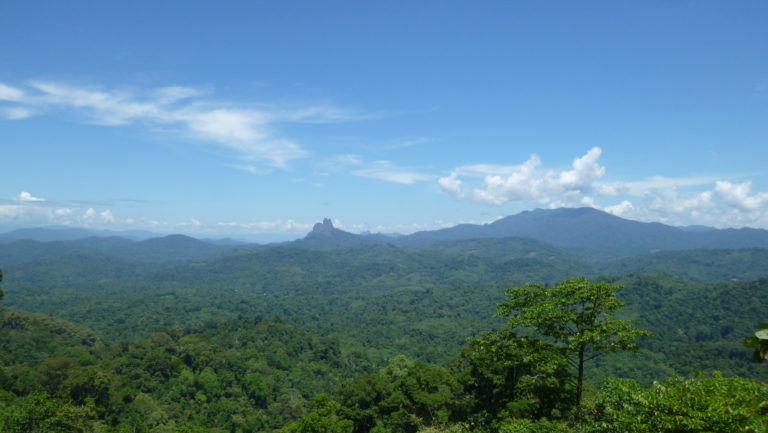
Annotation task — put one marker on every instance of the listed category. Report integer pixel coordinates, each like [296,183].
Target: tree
[1,280]
[506,376]
[578,315]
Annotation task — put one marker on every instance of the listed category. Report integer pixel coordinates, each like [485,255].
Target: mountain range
[589,233]
[580,230]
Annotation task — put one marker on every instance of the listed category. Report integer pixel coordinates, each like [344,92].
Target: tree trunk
[580,382]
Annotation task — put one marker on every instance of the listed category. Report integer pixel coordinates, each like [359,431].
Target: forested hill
[245,374]
[696,265]
[180,334]
[422,302]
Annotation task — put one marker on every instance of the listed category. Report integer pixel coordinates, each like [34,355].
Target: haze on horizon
[261,119]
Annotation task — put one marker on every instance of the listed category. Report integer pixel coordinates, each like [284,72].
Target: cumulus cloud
[622,209]
[726,204]
[708,200]
[250,133]
[25,196]
[528,183]
[88,216]
[26,209]
[451,184]
[585,172]
[106,216]
[389,172]
[738,195]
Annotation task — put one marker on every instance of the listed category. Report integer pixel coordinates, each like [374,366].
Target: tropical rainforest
[553,321]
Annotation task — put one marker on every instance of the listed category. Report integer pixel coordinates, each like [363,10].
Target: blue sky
[261,118]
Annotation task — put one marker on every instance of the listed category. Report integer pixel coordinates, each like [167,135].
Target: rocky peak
[326,227]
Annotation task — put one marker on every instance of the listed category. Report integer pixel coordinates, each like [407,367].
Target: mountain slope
[168,249]
[595,232]
[697,265]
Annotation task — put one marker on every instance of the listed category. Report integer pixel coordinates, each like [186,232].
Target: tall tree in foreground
[576,314]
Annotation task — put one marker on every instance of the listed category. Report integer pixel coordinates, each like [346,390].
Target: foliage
[705,404]
[506,376]
[248,374]
[525,425]
[403,397]
[324,418]
[381,300]
[697,265]
[204,353]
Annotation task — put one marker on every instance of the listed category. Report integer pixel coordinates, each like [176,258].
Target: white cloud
[25,196]
[171,94]
[248,132]
[707,200]
[26,209]
[107,217]
[727,204]
[339,163]
[252,169]
[528,183]
[386,171]
[622,209]
[660,182]
[16,113]
[266,226]
[409,142]
[585,171]
[738,195]
[451,184]
[89,216]
[8,93]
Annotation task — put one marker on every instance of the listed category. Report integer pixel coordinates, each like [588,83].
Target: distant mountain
[168,248]
[227,242]
[102,243]
[325,236]
[46,234]
[596,233]
[500,248]
[134,235]
[26,250]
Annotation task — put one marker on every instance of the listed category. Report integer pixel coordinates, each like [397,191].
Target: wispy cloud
[661,182]
[409,142]
[250,133]
[288,225]
[16,113]
[339,163]
[389,172]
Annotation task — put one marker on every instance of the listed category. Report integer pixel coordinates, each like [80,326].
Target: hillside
[697,265]
[595,233]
